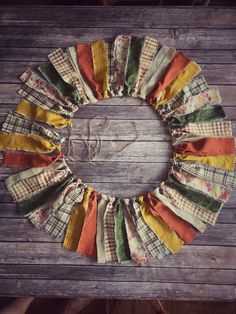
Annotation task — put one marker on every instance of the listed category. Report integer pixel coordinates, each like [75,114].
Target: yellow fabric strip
[184,77]
[100,65]
[76,222]
[27,142]
[160,228]
[30,110]
[226,162]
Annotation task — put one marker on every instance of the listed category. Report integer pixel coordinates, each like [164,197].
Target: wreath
[108,228]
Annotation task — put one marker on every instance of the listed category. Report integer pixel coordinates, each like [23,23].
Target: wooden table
[31,262]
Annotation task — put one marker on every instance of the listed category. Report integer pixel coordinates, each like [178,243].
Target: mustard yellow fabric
[27,142]
[76,222]
[100,64]
[160,228]
[184,77]
[226,162]
[30,110]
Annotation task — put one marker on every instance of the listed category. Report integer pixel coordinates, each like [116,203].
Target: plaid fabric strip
[196,86]
[109,232]
[32,80]
[42,101]
[154,246]
[189,206]
[217,175]
[148,53]
[210,129]
[57,223]
[14,123]
[111,65]
[62,64]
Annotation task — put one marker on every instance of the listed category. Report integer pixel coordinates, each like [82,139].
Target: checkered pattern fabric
[217,175]
[189,206]
[153,244]
[109,231]
[61,62]
[57,223]
[149,50]
[111,65]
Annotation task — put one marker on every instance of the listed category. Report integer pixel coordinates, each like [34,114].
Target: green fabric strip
[122,245]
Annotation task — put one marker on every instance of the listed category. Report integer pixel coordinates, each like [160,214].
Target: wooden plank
[215,56]
[214,73]
[181,38]
[118,274]
[133,17]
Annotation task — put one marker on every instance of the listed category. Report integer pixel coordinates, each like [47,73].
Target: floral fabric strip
[214,190]
[212,174]
[183,229]
[76,222]
[61,63]
[122,246]
[28,160]
[159,65]
[149,50]
[160,228]
[133,62]
[32,111]
[14,123]
[177,64]
[87,242]
[154,246]
[183,78]
[102,204]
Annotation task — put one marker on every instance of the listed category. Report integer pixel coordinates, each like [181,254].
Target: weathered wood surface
[31,262]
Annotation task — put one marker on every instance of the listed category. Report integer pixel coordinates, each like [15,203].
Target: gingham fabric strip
[201,199]
[122,246]
[196,86]
[212,189]
[149,50]
[53,77]
[87,242]
[133,62]
[111,65]
[138,252]
[32,80]
[152,243]
[226,162]
[203,115]
[14,123]
[27,142]
[212,174]
[42,101]
[209,146]
[100,65]
[61,63]
[192,131]
[28,160]
[85,62]
[160,228]
[76,222]
[32,111]
[72,55]
[102,204]
[43,205]
[158,66]
[182,228]
[189,206]
[109,232]
[30,181]
[39,200]
[183,78]
[177,64]
[185,215]
[120,55]
[207,98]
[57,222]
